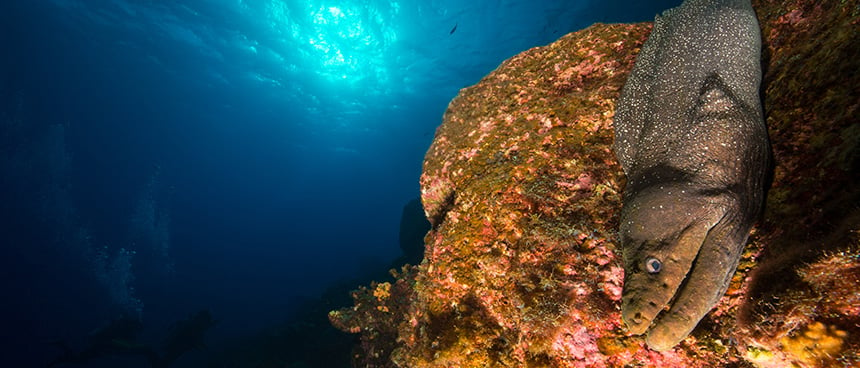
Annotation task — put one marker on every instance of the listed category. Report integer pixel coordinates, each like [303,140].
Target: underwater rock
[522,266]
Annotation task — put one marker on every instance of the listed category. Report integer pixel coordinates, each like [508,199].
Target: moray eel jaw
[666,229]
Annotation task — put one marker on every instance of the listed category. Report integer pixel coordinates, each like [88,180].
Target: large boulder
[522,267]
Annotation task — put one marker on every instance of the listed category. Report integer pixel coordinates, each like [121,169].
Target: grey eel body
[690,136]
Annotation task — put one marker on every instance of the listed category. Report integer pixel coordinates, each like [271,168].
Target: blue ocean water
[158,158]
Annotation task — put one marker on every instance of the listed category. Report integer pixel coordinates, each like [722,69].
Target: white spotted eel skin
[690,136]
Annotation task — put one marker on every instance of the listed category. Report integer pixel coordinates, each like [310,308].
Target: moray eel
[690,136]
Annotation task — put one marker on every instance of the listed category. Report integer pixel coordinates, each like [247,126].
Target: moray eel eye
[653,265]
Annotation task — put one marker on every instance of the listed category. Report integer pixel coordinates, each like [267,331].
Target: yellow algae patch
[815,343]
[382,293]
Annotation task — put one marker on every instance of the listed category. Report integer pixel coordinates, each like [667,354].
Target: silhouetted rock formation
[413,227]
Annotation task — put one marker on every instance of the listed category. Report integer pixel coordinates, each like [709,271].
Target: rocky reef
[522,267]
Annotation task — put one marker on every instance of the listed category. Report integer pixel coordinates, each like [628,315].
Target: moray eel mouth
[668,286]
[642,319]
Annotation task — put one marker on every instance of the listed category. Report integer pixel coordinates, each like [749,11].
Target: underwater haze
[160,158]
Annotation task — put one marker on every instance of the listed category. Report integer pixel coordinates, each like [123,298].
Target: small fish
[690,136]
[454,29]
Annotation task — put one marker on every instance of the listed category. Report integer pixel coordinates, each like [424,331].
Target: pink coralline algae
[522,267]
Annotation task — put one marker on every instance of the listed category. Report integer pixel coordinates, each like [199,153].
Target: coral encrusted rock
[522,267]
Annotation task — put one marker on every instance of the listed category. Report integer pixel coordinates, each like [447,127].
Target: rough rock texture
[522,267]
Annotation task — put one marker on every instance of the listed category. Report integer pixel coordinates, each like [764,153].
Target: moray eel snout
[667,228]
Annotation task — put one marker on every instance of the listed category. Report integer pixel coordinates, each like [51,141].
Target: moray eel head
[664,231]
